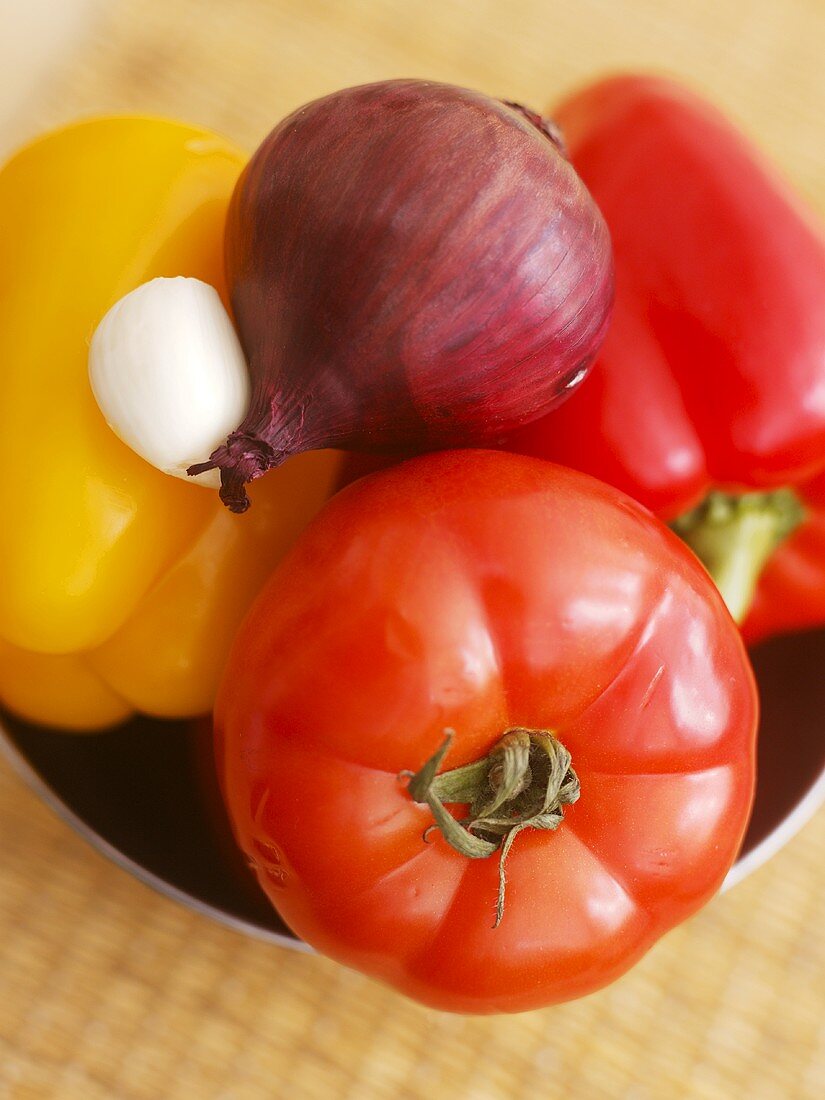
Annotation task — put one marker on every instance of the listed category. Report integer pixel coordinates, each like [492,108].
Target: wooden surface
[109,991]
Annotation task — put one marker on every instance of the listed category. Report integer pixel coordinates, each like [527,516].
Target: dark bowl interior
[149,792]
[146,792]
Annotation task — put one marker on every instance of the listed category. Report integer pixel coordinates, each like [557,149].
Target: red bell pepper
[707,403]
[790,594]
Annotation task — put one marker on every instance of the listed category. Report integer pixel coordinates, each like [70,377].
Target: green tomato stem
[523,782]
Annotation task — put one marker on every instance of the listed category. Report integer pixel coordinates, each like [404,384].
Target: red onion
[411,266]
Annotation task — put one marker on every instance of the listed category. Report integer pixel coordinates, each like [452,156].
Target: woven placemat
[107,990]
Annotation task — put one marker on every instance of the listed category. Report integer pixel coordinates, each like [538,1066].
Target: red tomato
[481,591]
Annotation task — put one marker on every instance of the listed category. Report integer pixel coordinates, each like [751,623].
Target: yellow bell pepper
[120,587]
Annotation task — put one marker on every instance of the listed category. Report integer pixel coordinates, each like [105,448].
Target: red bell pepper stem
[734,536]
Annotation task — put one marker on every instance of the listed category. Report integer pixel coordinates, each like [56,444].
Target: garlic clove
[169,374]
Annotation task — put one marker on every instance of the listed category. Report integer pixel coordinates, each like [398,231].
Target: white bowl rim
[745,865]
[779,836]
[29,775]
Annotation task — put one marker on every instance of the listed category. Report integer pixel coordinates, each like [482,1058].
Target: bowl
[145,794]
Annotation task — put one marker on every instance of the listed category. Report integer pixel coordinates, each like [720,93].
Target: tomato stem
[522,783]
[735,536]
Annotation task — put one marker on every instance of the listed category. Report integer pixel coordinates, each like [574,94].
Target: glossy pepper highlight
[707,402]
[121,586]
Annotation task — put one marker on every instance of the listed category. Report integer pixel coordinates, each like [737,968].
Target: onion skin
[411,266]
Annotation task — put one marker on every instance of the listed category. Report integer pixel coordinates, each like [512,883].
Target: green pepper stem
[735,536]
[523,782]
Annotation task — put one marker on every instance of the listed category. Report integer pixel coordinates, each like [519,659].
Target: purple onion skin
[411,266]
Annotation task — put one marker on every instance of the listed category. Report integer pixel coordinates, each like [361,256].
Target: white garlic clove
[169,374]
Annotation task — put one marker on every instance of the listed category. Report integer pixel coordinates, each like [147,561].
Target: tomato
[477,592]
